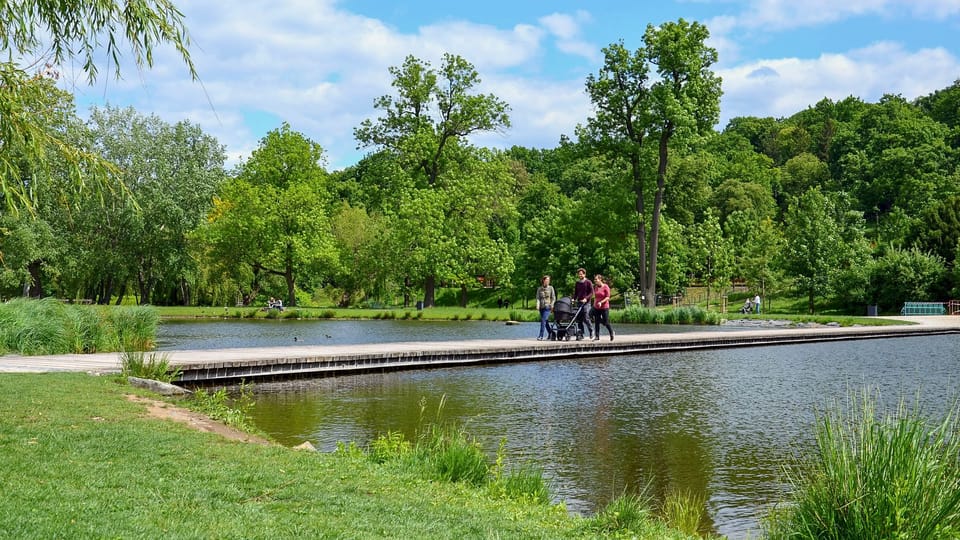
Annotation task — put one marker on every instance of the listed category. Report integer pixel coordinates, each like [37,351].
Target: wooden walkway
[216,366]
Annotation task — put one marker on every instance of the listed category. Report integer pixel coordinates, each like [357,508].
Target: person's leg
[596,322]
[586,318]
[606,322]
[544,314]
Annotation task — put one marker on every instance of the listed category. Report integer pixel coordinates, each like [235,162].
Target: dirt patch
[195,420]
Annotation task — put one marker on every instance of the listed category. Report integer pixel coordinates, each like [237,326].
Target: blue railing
[923,308]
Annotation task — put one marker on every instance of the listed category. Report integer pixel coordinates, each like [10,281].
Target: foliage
[220,406]
[815,250]
[270,220]
[41,31]
[148,366]
[875,475]
[900,276]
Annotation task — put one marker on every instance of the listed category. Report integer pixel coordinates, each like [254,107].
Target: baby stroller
[564,326]
[747,308]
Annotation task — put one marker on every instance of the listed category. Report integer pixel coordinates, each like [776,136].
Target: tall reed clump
[34,327]
[134,327]
[875,476]
[48,326]
[152,366]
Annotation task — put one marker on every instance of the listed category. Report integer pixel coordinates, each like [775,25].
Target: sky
[320,64]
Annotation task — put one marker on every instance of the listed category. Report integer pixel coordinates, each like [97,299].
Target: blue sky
[319,64]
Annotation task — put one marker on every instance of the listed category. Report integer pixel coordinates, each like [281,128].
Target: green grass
[48,326]
[81,461]
[875,475]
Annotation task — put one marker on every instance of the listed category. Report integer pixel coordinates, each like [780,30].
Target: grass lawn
[82,461]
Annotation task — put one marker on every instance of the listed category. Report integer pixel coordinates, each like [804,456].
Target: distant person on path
[756,303]
[582,294]
[546,297]
[601,306]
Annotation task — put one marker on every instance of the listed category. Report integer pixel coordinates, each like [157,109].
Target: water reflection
[719,423]
[220,334]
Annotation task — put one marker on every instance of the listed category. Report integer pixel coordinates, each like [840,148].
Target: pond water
[720,423]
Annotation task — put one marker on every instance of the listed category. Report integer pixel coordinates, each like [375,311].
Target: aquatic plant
[893,475]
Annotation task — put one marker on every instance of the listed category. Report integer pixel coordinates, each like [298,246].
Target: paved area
[224,364]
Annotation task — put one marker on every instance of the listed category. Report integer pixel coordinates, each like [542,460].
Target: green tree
[630,106]
[710,254]
[45,32]
[620,93]
[901,275]
[271,219]
[813,249]
[425,126]
[365,264]
[684,103]
[172,171]
[938,229]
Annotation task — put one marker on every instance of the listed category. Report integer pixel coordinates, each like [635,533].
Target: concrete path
[224,365]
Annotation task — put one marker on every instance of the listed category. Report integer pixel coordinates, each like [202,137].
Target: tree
[710,254]
[620,94]
[271,219]
[172,171]
[814,245]
[46,33]
[425,126]
[629,107]
[684,102]
[902,275]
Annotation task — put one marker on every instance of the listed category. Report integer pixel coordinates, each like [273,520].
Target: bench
[923,308]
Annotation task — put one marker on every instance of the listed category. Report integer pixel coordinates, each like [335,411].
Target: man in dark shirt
[583,295]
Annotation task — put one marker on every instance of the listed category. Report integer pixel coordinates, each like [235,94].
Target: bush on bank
[49,326]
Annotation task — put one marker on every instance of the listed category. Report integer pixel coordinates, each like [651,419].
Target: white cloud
[786,86]
[566,29]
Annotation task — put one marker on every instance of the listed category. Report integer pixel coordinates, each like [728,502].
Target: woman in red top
[601,307]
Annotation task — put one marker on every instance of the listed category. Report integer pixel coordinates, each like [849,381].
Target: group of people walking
[592,299]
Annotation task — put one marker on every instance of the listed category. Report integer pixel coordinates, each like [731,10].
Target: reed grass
[892,475]
[684,511]
[152,366]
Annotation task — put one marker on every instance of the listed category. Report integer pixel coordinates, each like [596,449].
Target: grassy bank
[82,461]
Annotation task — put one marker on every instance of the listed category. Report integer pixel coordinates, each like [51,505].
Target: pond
[720,423]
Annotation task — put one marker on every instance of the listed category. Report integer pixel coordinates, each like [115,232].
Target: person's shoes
[579,338]
[540,338]
[597,338]
[611,336]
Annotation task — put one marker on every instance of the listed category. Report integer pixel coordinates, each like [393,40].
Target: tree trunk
[429,290]
[655,221]
[36,287]
[406,291]
[291,287]
[463,295]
